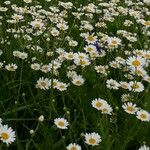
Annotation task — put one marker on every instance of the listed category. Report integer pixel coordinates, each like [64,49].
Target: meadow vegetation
[74,75]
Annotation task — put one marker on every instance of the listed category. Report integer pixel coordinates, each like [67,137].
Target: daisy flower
[45,68]
[144,147]
[125,97]
[37,24]
[55,32]
[138,52]
[90,38]
[136,86]
[143,115]
[98,103]
[71,74]
[35,66]
[146,54]
[55,83]
[92,139]
[69,56]
[61,86]
[138,71]
[27,1]
[62,26]
[73,146]
[81,62]
[7,134]
[147,78]
[11,67]
[90,48]
[113,42]
[78,80]
[130,108]
[112,84]
[81,55]
[43,83]
[114,64]
[146,23]
[55,64]
[136,61]
[101,69]
[124,84]
[21,55]
[146,1]
[73,43]
[17,17]
[94,54]
[107,109]
[61,123]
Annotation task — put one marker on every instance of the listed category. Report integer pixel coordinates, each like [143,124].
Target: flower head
[7,134]
[92,139]
[130,108]
[73,146]
[143,115]
[61,123]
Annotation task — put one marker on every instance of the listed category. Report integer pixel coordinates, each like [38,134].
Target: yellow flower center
[62,86]
[111,46]
[43,84]
[82,62]
[91,38]
[147,23]
[73,148]
[130,108]
[26,10]
[98,104]
[45,68]
[143,116]
[62,27]
[61,123]
[139,53]
[37,25]
[90,49]
[78,82]
[101,69]
[115,65]
[81,57]
[5,136]
[136,63]
[104,110]
[35,67]
[135,86]
[54,83]
[92,141]
[138,72]
[17,18]
[70,56]
[113,42]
